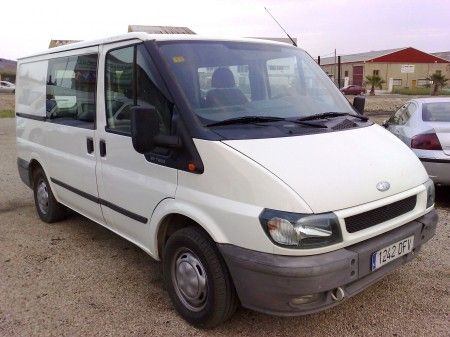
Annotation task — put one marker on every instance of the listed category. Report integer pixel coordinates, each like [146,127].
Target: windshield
[225,80]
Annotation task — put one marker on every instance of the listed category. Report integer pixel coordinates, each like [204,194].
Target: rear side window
[436,112]
[71,90]
[130,80]
[238,77]
[282,76]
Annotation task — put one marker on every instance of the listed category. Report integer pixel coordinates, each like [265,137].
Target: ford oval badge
[383,186]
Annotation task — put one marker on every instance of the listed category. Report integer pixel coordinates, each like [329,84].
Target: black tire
[221,300]
[53,211]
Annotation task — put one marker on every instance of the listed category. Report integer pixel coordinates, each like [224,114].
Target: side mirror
[358,103]
[145,132]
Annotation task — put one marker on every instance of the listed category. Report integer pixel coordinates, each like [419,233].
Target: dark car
[353,90]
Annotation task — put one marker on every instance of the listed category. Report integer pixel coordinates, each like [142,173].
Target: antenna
[290,38]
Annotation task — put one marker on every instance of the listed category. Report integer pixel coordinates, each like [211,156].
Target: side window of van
[71,90]
[130,81]
[148,94]
[119,89]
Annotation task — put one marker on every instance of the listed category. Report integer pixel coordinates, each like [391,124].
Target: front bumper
[267,283]
[438,170]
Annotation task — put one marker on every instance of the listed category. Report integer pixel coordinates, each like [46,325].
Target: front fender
[171,206]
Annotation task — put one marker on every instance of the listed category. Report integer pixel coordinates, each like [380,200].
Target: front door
[130,187]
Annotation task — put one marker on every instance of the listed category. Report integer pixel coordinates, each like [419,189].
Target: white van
[238,163]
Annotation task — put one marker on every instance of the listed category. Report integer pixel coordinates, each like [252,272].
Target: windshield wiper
[246,120]
[256,119]
[331,115]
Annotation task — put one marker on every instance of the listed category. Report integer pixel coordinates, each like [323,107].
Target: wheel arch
[32,166]
[170,216]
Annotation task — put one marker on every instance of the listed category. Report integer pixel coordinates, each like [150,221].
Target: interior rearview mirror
[358,103]
[145,131]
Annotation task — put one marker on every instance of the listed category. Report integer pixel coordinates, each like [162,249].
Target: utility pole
[339,72]
[334,68]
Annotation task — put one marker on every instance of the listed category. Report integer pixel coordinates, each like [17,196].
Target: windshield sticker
[178,59]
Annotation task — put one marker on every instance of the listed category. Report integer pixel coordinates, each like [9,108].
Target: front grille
[381,214]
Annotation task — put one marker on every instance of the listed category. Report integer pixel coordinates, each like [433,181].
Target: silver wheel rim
[42,196]
[189,279]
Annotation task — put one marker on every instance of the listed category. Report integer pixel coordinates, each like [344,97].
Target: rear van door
[70,129]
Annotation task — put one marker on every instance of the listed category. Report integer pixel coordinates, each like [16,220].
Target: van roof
[144,37]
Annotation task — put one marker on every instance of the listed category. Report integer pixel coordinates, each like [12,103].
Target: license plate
[391,252]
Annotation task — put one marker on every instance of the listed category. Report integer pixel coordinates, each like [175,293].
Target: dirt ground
[76,278]
[6,101]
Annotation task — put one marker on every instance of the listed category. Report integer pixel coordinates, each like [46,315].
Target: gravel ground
[6,101]
[384,102]
[75,278]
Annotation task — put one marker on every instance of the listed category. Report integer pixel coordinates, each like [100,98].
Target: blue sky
[320,25]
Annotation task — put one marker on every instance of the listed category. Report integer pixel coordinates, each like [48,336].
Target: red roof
[408,55]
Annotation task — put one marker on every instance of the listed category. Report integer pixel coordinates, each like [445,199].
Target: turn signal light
[192,167]
[426,141]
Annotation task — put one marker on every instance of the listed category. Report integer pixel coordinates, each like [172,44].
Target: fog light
[297,301]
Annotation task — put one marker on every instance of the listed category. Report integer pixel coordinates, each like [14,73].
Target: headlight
[301,230]
[430,192]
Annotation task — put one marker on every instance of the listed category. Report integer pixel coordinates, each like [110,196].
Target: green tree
[374,81]
[439,81]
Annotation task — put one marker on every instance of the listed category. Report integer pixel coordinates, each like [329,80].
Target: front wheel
[197,279]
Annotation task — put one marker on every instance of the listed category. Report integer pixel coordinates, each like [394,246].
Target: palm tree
[374,81]
[439,81]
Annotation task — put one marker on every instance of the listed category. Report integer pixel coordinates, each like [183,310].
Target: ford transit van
[237,163]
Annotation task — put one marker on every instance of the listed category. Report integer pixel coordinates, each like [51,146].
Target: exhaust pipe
[337,294]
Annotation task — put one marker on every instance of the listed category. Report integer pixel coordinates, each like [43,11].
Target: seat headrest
[222,78]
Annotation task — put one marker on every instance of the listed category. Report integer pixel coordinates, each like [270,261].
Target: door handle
[90,145]
[102,148]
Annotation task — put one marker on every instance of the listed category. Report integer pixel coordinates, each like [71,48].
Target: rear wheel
[48,209]
[197,279]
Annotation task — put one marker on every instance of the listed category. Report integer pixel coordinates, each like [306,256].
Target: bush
[6,113]
[412,91]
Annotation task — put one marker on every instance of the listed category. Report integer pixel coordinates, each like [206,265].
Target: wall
[393,70]
[331,68]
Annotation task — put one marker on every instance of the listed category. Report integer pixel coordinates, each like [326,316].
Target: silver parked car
[7,87]
[424,125]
